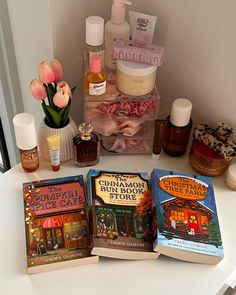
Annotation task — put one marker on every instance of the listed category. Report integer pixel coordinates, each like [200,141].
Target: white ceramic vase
[66,143]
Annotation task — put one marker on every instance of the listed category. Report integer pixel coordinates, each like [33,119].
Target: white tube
[54,150]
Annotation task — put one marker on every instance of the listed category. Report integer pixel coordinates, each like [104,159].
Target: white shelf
[162,276]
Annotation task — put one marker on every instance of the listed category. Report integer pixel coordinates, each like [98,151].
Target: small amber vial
[86,146]
[26,141]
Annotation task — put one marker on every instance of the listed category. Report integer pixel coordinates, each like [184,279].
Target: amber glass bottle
[86,146]
[26,141]
[95,79]
[178,128]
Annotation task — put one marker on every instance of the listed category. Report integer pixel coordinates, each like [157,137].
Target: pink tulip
[38,90]
[61,98]
[63,85]
[57,69]
[46,74]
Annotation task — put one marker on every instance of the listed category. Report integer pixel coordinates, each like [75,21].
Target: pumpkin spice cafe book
[187,225]
[57,226]
[122,214]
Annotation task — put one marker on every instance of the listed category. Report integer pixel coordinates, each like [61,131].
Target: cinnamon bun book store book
[122,214]
[57,226]
[187,225]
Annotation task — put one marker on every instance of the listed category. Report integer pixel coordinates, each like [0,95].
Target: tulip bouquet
[57,92]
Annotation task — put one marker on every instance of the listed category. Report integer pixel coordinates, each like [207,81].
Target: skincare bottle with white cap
[178,128]
[94,40]
[26,141]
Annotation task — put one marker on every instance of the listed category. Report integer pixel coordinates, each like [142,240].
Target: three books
[120,218]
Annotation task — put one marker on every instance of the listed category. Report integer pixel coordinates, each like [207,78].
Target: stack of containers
[122,104]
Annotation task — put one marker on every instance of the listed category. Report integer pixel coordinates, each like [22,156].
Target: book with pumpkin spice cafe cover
[187,225]
[122,214]
[57,229]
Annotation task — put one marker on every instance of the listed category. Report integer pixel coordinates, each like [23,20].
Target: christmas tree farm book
[57,228]
[187,225]
[122,214]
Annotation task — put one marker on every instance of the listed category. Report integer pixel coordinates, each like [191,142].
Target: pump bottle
[116,28]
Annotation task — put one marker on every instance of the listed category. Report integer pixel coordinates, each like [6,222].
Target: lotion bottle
[116,28]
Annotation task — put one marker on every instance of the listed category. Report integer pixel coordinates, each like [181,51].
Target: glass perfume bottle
[95,79]
[86,146]
[178,128]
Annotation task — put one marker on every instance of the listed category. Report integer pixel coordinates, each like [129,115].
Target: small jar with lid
[178,128]
[135,79]
[212,149]
[86,146]
[205,160]
[26,141]
[230,178]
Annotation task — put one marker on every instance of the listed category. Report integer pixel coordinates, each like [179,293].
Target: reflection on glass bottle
[86,146]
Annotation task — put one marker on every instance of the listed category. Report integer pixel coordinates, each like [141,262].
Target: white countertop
[162,276]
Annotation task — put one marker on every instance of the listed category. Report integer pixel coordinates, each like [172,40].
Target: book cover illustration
[123,210]
[56,221]
[186,213]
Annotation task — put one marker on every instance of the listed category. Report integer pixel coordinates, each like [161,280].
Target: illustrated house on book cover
[56,223]
[186,216]
[122,209]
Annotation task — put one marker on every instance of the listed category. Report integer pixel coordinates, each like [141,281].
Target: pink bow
[122,144]
[109,127]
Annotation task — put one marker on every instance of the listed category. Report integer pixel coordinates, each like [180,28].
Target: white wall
[200,63]
[198,36]
[68,32]
[31,29]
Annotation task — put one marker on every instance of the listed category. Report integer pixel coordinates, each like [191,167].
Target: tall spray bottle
[116,28]
[94,40]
